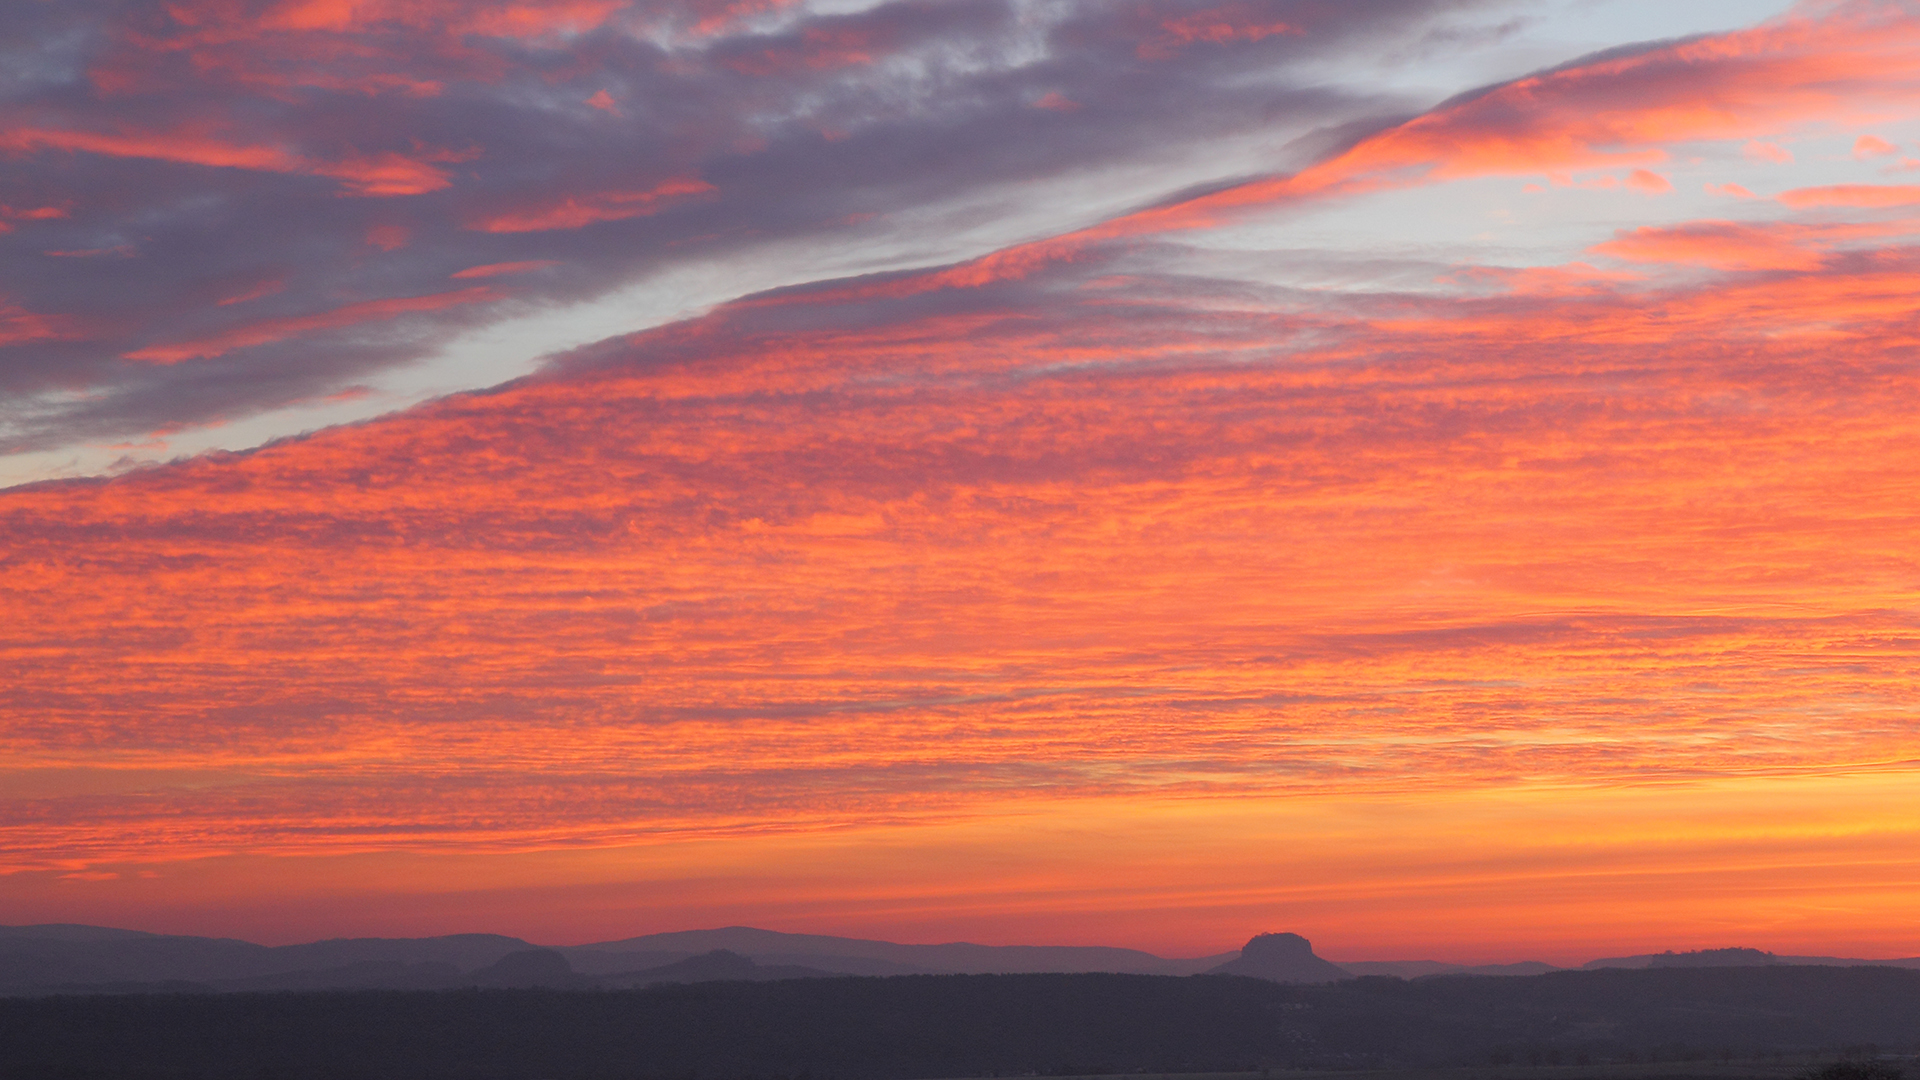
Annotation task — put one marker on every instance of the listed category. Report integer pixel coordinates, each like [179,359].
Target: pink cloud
[1648,182]
[1867,146]
[1865,196]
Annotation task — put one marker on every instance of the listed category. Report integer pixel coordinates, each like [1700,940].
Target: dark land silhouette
[88,959]
[72,959]
[927,1026]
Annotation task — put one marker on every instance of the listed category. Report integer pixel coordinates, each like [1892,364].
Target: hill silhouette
[716,966]
[89,959]
[73,959]
[1286,958]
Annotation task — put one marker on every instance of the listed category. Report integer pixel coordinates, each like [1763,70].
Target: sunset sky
[1441,477]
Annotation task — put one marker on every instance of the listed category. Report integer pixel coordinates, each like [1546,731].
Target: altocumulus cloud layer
[215,206]
[1147,578]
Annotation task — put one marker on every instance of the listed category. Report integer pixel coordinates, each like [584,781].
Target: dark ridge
[927,1026]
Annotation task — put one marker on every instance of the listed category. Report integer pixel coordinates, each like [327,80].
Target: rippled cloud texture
[1535,574]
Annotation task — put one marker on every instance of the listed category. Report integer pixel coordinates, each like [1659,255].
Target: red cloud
[498,18]
[269,287]
[1215,26]
[379,174]
[576,211]
[9,215]
[496,269]
[819,49]
[18,325]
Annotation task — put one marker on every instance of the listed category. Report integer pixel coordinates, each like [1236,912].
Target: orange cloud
[935,612]
[268,330]
[576,211]
[1584,557]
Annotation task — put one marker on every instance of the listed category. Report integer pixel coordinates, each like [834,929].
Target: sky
[1438,477]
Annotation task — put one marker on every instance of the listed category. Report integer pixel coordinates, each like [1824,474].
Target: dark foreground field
[1603,1025]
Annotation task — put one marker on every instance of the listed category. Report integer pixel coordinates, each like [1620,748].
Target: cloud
[1725,245]
[1618,110]
[271,330]
[1215,26]
[823,559]
[1866,196]
[573,212]
[18,325]
[496,269]
[1648,182]
[381,174]
[234,141]
[1105,518]
[1867,146]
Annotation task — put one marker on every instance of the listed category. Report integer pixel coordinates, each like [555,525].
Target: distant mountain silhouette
[64,958]
[1286,958]
[1715,958]
[1426,969]
[716,966]
[365,975]
[1737,957]
[530,968]
[857,956]
[35,958]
